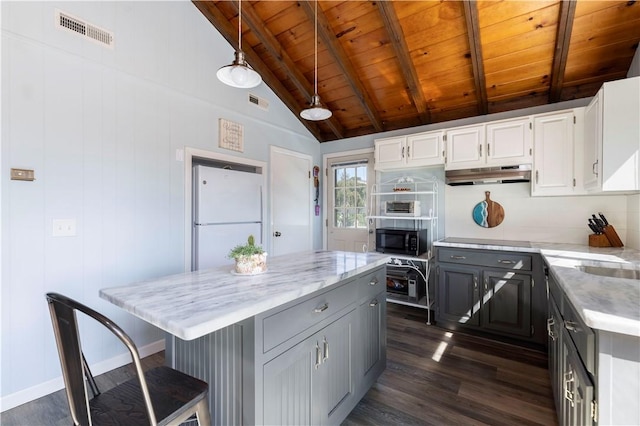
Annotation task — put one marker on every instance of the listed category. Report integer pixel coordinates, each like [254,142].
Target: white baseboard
[30,394]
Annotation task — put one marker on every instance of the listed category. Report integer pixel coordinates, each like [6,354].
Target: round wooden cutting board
[488,213]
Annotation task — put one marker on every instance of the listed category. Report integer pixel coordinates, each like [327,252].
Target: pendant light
[315,112]
[239,73]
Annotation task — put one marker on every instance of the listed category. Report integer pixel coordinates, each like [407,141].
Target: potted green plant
[250,258]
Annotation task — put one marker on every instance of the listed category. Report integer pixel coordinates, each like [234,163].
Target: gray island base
[300,344]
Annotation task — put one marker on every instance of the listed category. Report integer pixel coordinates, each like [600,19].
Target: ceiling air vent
[85,29]
[259,102]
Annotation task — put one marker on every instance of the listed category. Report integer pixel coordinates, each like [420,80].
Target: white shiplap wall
[101,128]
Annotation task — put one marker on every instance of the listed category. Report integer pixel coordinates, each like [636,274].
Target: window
[350,195]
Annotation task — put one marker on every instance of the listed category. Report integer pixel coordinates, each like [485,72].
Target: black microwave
[412,242]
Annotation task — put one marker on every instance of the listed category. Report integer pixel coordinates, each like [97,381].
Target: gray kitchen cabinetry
[491,291]
[571,349]
[320,356]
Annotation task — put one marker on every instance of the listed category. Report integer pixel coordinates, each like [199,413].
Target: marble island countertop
[604,303]
[192,304]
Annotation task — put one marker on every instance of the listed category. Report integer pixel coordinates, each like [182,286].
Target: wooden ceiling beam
[412,81]
[561,52]
[275,49]
[342,60]
[473,32]
[230,33]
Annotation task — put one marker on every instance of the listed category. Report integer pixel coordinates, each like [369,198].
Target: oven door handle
[406,242]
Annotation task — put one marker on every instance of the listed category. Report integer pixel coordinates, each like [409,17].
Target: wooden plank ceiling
[385,65]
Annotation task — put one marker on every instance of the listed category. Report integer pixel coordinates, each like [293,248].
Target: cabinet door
[506,303]
[554,348]
[335,387]
[553,154]
[425,149]
[577,388]
[458,295]
[288,385]
[465,147]
[372,337]
[592,165]
[509,142]
[389,153]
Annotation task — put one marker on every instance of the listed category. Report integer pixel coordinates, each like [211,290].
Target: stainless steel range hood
[479,176]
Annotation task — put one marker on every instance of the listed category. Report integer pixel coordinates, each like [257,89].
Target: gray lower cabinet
[489,291]
[317,377]
[573,385]
[309,383]
[594,373]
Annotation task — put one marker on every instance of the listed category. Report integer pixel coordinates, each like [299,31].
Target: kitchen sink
[633,274]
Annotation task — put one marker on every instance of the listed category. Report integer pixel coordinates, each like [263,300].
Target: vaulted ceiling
[385,65]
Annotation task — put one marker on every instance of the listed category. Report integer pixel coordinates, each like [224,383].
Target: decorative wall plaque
[231,135]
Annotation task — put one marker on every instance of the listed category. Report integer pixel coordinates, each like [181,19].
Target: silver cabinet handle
[569,393]
[373,282]
[408,151]
[373,303]
[475,283]
[403,152]
[458,257]
[506,262]
[486,285]
[480,146]
[325,354]
[318,356]
[488,150]
[594,168]
[321,308]
[537,176]
[550,323]
[571,326]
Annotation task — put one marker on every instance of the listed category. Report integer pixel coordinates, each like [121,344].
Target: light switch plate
[22,174]
[64,227]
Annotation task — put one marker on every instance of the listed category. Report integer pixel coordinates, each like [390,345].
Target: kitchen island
[593,326]
[299,344]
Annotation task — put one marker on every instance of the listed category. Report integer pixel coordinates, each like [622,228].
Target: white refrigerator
[227,209]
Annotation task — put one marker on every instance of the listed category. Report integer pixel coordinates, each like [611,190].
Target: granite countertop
[604,303]
[192,304]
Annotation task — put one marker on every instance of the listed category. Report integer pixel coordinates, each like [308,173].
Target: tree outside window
[350,196]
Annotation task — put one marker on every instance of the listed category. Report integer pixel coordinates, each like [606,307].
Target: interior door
[349,181]
[292,203]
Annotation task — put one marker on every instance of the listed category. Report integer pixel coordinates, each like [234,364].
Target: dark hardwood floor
[433,377]
[439,377]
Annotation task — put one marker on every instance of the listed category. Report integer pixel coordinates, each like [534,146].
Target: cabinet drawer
[582,336]
[493,259]
[285,324]
[372,283]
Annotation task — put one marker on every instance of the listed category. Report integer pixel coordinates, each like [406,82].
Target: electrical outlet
[64,228]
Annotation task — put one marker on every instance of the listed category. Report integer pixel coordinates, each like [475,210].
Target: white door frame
[189,153]
[325,162]
[308,157]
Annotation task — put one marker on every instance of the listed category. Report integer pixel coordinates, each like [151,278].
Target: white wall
[541,219]
[101,129]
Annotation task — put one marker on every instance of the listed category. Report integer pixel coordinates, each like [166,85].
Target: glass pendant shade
[316,112]
[239,74]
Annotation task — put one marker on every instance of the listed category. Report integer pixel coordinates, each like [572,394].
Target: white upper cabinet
[612,138]
[465,147]
[417,150]
[498,143]
[509,142]
[553,162]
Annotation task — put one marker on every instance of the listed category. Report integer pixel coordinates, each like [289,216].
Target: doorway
[349,180]
[291,201]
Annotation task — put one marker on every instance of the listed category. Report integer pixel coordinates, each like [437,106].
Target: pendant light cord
[240,25]
[315,84]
